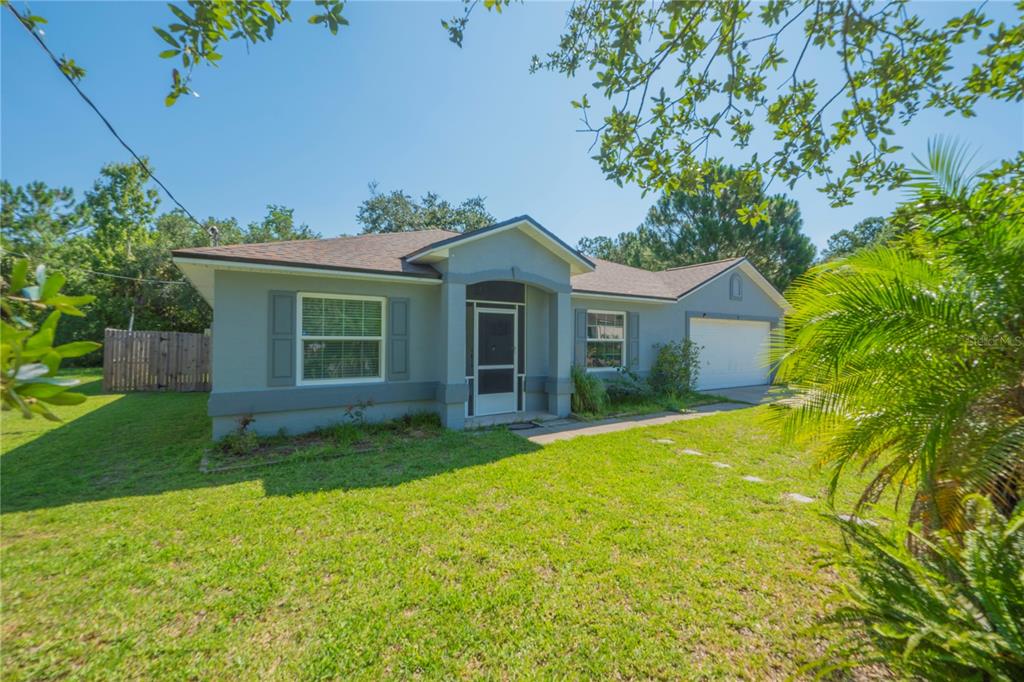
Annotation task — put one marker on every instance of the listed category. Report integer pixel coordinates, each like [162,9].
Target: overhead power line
[212,231]
[108,274]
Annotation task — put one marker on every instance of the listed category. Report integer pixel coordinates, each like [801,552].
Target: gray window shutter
[633,340]
[580,338]
[281,340]
[398,339]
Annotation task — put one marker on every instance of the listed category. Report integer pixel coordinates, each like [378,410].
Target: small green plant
[241,441]
[951,608]
[675,369]
[589,395]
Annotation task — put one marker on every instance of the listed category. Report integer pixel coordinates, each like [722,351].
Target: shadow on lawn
[151,443]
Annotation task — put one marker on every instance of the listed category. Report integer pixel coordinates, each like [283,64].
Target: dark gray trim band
[558,386]
[514,274]
[550,385]
[535,384]
[314,397]
[450,394]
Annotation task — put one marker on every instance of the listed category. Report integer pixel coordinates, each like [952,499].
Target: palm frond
[908,358]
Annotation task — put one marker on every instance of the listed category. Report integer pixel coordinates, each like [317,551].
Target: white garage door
[732,352]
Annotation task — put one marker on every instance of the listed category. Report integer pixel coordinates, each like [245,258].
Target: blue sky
[309,119]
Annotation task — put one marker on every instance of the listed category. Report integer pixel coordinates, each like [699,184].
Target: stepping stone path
[666,441]
[688,451]
[857,520]
[753,479]
[721,465]
[797,497]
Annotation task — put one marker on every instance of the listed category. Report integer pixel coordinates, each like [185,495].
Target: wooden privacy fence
[155,361]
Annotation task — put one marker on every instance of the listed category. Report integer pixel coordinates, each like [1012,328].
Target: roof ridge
[327,239]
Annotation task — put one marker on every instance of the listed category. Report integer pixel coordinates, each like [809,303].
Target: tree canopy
[687,228]
[869,231]
[396,211]
[115,245]
[677,77]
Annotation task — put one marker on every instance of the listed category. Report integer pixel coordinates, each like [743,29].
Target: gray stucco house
[465,325]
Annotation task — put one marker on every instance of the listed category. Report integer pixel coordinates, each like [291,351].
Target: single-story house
[465,325]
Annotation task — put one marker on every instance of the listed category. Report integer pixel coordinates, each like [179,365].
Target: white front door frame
[495,403]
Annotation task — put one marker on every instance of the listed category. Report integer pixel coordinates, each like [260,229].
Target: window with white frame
[341,338]
[606,339]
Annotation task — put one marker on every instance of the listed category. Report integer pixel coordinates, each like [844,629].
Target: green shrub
[241,441]
[942,612]
[588,395]
[675,368]
[627,387]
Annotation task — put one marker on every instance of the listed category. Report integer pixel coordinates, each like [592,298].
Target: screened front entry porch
[495,348]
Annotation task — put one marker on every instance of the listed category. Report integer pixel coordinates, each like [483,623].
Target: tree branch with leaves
[29,360]
[676,77]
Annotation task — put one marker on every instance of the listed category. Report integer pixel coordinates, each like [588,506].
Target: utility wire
[142,164]
[107,274]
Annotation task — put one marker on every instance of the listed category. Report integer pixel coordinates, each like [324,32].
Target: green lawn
[460,555]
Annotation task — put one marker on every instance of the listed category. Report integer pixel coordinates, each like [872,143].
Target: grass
[450,555]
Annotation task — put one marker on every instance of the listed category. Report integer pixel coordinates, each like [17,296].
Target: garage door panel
[732,352]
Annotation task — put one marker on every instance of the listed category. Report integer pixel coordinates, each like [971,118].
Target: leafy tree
[35,219]
[166,300]
[908,357]
[120,210]
[115,246]
[867,232]
[676,76]
[278,225]
[396,211]
[708,224]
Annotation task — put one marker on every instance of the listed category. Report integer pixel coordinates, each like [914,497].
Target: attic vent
[736,287]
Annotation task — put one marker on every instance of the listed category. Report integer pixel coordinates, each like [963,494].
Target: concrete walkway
[566,429]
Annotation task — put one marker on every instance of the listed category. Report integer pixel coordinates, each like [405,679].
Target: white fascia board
[217,264]
[620,297]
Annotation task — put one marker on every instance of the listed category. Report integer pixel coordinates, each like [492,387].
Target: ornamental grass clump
[589,395]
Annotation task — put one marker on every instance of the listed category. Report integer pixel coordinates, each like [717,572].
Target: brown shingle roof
[385,253]
[615,278]
[379,253]
[687,278]
[623,280]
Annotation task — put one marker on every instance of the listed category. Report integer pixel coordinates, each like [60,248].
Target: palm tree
[908,358]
